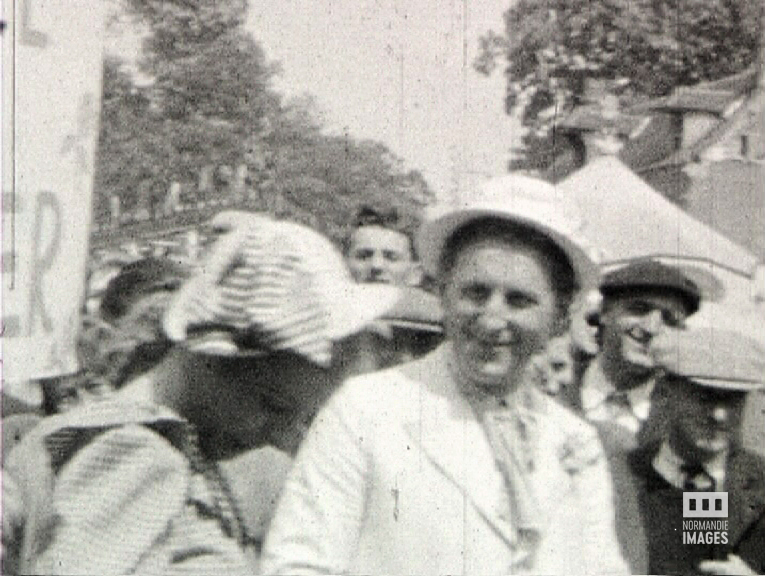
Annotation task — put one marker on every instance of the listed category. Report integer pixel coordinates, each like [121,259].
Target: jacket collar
[64,434]
[449,433]
[452,438]
[669,465]
[597,389]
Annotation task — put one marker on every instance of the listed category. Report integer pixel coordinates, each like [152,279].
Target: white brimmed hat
[518,199]
[268,286]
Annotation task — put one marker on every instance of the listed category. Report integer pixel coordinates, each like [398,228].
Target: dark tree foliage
[210,103]
[653,46]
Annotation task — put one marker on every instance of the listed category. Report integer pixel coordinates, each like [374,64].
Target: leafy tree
[179,26]
[210,104]
[322,179]
[207,99]
[128,144]
[651,45]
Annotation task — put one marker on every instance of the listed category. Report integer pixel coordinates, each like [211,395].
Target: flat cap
[710,357]
[138,280]
[652,275]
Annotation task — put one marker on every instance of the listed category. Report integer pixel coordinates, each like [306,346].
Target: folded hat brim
[733,385]
[357,305]
[435,234]
[219,343]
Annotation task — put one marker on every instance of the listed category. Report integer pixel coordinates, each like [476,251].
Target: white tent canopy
[627,219]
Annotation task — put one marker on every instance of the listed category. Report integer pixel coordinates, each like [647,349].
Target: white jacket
[397,476]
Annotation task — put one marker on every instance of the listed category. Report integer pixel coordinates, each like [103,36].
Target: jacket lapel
[746,493]
[745,486]
[453,439]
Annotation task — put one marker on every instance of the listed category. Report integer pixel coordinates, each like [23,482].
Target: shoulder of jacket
[390,383]
[61,436]
[750,463]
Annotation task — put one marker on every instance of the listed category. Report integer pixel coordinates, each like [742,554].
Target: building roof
[651,141]
[695,99]
[738,83]
[693,153]
[650,135]
[589,118]
[713,97]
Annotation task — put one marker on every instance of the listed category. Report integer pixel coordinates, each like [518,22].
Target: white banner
[52,67]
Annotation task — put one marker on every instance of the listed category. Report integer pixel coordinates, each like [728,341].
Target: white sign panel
[52,66]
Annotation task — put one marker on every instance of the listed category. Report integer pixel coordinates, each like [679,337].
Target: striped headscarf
[271,286]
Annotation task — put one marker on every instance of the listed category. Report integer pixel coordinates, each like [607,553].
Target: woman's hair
[135,344]
[558,264]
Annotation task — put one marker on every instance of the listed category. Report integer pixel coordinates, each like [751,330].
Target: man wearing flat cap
[456,463]
[706,376]
[640,301]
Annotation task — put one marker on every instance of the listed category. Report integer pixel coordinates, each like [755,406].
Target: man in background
[640,302]
[706,377]
[379,249]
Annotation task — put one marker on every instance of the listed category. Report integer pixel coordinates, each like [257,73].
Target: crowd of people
[478,397]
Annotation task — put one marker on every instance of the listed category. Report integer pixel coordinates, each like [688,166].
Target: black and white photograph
[382,287]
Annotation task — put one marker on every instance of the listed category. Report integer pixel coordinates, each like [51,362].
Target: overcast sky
[399,71]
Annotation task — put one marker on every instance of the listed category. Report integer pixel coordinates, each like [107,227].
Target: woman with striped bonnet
[132,484]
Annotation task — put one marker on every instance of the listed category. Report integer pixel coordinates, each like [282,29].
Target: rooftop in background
[702,146]
[589,118]
[695,99]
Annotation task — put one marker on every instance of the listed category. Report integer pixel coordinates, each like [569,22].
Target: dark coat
[638,488]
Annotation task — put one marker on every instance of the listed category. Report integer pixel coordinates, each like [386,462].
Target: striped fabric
[121,489]
[264,300]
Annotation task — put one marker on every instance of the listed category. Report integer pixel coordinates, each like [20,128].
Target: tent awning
[628,219]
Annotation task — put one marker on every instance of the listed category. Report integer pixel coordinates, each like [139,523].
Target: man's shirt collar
[597,391]
[668,464]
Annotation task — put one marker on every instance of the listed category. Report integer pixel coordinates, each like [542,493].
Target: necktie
[512,433]
[512,437]
[696,478]
[620,411]
[618,399]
